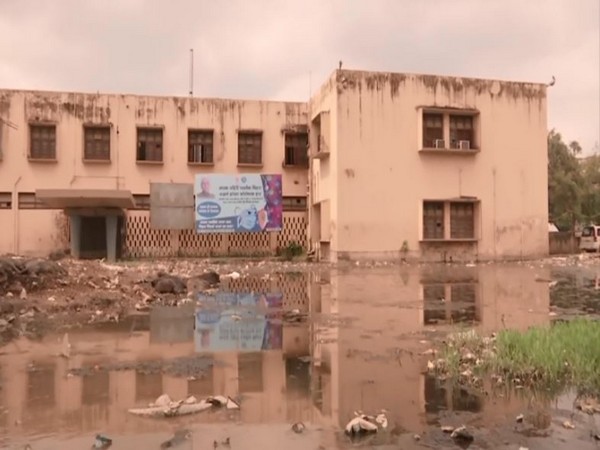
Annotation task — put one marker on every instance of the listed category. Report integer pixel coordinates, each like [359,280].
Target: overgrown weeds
[564,354]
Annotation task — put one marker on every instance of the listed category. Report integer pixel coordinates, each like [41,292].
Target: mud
[293,342]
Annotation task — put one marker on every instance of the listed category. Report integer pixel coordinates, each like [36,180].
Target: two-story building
[397,166]
[97,154]
[436,168]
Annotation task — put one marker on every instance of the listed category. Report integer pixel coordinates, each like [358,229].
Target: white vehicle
[590,239]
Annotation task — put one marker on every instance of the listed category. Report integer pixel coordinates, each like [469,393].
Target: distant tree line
[573,184]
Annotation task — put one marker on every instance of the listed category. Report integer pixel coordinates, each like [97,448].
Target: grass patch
[564,354]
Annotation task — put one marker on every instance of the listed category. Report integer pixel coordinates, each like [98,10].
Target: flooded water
[359,349]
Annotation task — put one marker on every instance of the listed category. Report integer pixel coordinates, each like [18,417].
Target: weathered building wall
[124,113]
[383,177]
[323,170]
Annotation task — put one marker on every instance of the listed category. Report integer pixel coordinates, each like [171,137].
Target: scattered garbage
[461,434]
[363,424]
[568,425]
[23,294]
[447,429]
[298,427]
[102,442]
[233,275]
[588,405]
[417,437]
[520,418]
[165,407]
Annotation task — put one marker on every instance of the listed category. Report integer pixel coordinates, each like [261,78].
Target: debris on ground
[568,425]
[461,434]
[447,428]
[298,427]
[102,442]
[588,405]
[165,407]
[363,424]
[520,418]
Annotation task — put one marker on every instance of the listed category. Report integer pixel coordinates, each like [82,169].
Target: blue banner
[238,203]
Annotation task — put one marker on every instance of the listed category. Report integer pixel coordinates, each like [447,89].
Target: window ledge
[449,151]
[204,164]
[96,161]
[149,163]
[295,166]
[42,160]
[249,165]
[321,155]
[448,241]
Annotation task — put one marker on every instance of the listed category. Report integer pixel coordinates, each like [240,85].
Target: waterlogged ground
[360,347]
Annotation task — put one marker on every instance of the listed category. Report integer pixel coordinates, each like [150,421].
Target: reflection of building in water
[363,342]
[37,392]
[372,359]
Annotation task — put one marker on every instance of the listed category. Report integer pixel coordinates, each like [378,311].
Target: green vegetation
[567,353]
[291,251]
[564,354]
[573,184]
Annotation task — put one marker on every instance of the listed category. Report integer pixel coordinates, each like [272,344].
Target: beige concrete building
[409,166]
[437,168]
[94,156]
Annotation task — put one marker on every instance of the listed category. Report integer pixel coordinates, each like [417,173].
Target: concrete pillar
[75,222]
[111,238]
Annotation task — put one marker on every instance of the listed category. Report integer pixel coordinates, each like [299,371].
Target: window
[96,143]
[294,203]
[462,220]
[142,201]
[449,219]
[433,220]
[296,149]
[461,132]
[433,130]
[149,145]
[249,147]
[200,146]
[5,200]
[42,142]
[28,200]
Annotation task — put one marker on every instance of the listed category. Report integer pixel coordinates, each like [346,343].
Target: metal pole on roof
[191,72]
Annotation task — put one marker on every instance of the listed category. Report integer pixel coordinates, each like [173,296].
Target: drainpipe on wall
[16,216]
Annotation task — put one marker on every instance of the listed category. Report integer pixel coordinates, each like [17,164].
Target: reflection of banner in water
[218,328]
[238,203]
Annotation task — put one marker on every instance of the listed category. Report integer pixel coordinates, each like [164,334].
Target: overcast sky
[274,48]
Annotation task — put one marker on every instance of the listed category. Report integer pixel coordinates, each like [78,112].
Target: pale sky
[279,49]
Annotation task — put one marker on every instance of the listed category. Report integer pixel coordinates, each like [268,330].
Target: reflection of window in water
[95,388]
[434,308]
[297,376]
[250,372]
[148,386]
[202,386]
[450,303]
[40,385]
[441,396]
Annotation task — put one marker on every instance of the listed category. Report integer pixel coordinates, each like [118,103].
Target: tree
[566,184]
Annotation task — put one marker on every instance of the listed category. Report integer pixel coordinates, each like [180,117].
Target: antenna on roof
[191,72]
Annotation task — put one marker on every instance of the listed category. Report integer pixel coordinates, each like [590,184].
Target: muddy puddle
[310,347]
